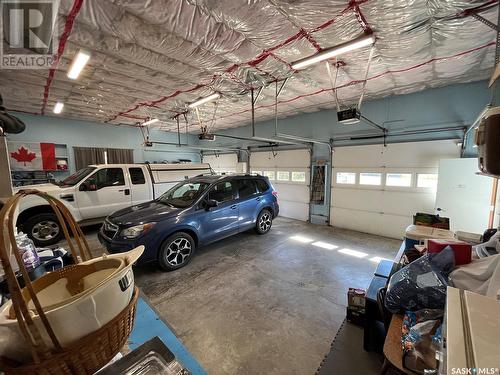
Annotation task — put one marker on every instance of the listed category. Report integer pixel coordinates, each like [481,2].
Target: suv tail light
[275,193]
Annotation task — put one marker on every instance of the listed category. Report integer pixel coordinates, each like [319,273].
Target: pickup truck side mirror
[211,203]
[88,186]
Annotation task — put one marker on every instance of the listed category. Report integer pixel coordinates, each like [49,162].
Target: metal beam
[373,124]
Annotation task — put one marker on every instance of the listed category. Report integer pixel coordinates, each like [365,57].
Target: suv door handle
[125,191]
[234,207]
[257,199]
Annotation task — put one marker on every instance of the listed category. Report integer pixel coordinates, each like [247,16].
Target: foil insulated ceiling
[149,59]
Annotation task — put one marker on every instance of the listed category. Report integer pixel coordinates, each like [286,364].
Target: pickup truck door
[112,193]
[221,221]
[141,188]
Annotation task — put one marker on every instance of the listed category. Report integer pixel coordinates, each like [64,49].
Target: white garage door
[222,163]
[378,190]
[289,173]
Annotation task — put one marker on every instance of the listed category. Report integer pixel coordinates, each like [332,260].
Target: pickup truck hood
[143,213]
[51,189]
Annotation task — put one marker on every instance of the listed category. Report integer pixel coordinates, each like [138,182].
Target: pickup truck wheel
[176,251]
[43,229]
[264,222]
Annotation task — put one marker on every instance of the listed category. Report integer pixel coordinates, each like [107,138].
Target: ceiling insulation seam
[77,5]
[257,60]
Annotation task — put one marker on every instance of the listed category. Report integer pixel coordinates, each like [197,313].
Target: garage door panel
[386,225]
[222,163]
[293,196]
[407,203]
[380,209]
[289,192]
[357,199]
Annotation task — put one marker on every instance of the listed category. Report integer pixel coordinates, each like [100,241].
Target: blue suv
[195,212]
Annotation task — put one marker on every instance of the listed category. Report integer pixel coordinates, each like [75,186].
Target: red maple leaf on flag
[23,155]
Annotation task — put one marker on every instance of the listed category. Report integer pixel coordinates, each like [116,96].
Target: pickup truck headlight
[137,230]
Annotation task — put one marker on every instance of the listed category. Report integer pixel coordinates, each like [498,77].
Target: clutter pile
[73,319]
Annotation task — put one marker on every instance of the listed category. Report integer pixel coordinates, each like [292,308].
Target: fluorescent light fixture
[354,253]
[204,100]
[149,122]
[325,245]
[361,41]
[301,239]
[58,107]
[377,259]
[79,62]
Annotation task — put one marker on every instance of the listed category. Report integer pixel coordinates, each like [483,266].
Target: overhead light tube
[204,100]
[361,41]
[58,107]
[79,62]
[149,122]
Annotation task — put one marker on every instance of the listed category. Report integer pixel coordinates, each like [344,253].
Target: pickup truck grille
[109,229]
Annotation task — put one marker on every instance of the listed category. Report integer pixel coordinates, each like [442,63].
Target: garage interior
[374,124]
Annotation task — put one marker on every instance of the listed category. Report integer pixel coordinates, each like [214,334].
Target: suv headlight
[137,230]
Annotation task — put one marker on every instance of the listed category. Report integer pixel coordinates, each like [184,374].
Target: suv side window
[108,177]
[222,192]
[246,188]
[137,176]
[262,185]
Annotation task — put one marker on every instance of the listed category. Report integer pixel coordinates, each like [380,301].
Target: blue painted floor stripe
[148,324]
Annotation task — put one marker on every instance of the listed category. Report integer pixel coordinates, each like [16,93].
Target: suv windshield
[183,194]
[77,176]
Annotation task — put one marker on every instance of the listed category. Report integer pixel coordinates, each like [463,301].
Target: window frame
[428,188]
[93,178]
[238,181]
[346,183]
[393,187]
[143,176]
[233,192]
[379,185]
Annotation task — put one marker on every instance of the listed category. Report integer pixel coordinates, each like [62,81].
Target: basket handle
[31,333]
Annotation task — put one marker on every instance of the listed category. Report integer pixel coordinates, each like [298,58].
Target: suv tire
[264,222]
[176,251]
[43,229]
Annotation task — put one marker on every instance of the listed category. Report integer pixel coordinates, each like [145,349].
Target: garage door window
[270,175]
[299,176]
[427,180]
[370,178]
[348,178]
[283,176]
[398,179]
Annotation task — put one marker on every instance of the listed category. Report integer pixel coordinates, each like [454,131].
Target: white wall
[384,210]
[222,163]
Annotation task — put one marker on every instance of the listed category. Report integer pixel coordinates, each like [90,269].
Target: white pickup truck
[94,192]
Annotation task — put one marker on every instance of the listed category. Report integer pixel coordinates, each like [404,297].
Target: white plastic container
[107,294]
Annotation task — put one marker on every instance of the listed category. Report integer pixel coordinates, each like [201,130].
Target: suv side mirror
[211,203]
[88,186]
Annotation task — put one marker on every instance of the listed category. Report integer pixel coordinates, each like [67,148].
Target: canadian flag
[32,156]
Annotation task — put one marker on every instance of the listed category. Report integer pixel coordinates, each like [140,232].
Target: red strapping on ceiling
[354,82]
[360,17]
[255,61]
[70,20]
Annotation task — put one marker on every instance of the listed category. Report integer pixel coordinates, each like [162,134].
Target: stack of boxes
[356,306]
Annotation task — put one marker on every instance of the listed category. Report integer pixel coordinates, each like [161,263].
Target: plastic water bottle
[27,250]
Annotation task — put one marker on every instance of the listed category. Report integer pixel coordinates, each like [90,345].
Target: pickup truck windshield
[77,177]
[183,194]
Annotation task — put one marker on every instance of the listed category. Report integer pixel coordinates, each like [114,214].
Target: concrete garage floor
[269,304]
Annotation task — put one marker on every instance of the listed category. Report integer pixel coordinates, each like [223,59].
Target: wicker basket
[84,356]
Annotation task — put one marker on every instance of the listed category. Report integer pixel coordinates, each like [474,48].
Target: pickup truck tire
[176,251]
[264,221]
[44,229]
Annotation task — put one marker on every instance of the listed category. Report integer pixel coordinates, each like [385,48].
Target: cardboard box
[356,298]
[462,250]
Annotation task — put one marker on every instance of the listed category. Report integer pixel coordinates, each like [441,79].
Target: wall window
[427,180]
[283,176]
[299,176]
[346,178]
[398,179]
[370,178]
[270,174]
